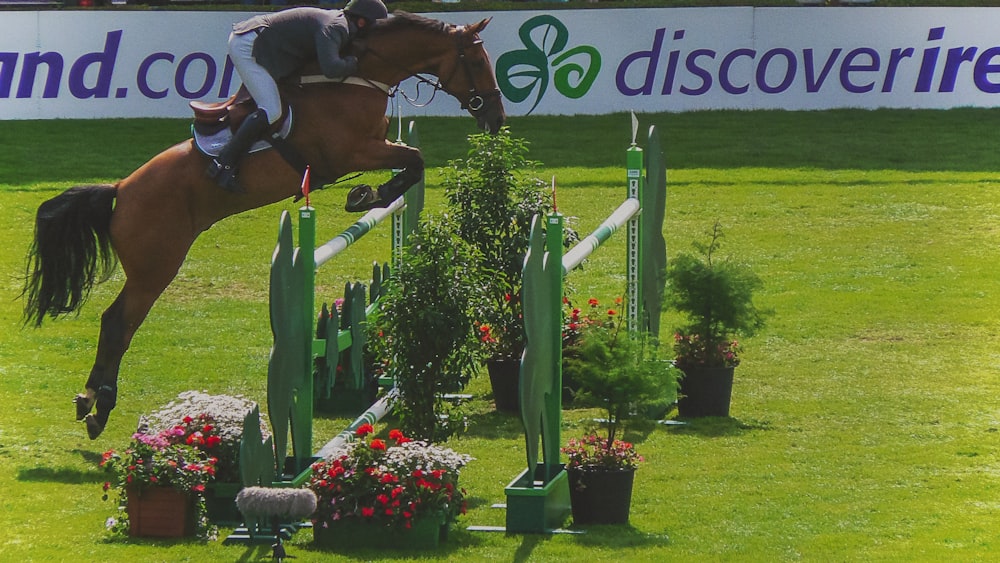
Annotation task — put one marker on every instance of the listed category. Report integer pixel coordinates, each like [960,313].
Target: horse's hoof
[361,198]
[83,406]
[94,428]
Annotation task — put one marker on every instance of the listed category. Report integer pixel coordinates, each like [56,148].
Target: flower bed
[388,486]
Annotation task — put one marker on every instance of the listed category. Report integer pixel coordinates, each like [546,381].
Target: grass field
[864,424]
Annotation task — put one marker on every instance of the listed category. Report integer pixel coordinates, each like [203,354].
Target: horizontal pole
[593,241]
[336,245]
[374,414]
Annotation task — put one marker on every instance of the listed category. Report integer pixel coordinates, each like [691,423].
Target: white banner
[151,64]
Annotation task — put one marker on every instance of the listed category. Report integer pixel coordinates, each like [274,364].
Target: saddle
[215,122]
[217,114]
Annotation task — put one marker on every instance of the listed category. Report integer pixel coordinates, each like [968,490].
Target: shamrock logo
[529,67]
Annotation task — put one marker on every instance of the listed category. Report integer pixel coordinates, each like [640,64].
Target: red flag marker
[305,186]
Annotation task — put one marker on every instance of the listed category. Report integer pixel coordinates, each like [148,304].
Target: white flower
[227,411]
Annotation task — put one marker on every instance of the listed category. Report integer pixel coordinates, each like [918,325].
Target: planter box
[427,533]
[536,505]
[160,512]
[220,503]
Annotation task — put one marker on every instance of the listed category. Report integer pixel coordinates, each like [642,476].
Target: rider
[269,47]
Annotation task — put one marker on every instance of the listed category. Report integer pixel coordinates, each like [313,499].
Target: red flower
[377,444]
[592,302]
[367,511]
[188,420]
[364,429]
[397,435]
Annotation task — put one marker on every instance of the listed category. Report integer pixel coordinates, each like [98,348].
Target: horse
[148,221]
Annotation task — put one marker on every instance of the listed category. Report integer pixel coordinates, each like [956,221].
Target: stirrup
[362,198]
[224,176]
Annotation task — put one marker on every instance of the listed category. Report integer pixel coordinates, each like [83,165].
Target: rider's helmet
[370,10]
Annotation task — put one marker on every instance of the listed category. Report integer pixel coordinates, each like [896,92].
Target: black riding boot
[223,168]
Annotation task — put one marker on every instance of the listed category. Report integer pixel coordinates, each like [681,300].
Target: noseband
[476,102]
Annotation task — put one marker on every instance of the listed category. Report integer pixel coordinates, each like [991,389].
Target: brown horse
[149,220]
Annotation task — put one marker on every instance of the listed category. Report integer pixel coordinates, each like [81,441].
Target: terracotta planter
[427,532]
[706,391]
[160,512]
[505,378]
[600,496]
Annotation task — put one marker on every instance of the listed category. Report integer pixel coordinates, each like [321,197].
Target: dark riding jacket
[290,38]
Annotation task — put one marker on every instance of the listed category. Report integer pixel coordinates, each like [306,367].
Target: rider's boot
[223,167]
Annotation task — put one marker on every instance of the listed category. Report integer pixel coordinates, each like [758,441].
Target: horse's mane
[401,20]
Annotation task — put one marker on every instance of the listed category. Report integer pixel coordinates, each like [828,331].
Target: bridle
[474,103]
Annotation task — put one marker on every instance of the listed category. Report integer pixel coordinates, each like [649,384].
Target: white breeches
[255,77]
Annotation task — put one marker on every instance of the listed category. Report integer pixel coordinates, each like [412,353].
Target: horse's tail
[71,252]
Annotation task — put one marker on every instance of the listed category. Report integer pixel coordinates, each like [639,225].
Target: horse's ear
[481,25]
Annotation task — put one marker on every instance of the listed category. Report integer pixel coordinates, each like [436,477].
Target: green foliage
[620,372]
[873,232]
[157,460]
[427,317]
[716,297]
[388,484]
[493,197]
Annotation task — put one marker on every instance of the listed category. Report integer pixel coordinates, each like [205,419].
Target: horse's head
[408,45]
[469,77]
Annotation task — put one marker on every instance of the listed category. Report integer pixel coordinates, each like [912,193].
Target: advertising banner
[64,64]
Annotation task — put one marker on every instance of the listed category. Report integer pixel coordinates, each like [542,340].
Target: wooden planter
[160,512]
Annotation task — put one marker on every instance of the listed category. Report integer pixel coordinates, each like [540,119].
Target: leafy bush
[716,298]
[427,320]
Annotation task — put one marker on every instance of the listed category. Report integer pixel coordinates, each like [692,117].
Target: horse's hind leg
[118,324]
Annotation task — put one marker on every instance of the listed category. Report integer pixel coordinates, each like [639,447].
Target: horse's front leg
[118,324]
[386,156]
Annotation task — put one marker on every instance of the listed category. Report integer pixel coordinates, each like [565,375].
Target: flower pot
[220,503]
[705,391]
[600,495]
[426,532]
[160,512]
[505,375]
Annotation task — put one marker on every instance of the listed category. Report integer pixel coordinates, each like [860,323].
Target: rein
[476,101]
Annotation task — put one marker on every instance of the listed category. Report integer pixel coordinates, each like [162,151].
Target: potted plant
[619,372]
[715,298]
[492,197]
[426,321]
[159,485]
[387,493]
[214,425]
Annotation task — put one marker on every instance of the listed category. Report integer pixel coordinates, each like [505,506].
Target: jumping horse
[148,221]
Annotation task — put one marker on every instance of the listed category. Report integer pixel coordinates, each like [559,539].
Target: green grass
[864,424]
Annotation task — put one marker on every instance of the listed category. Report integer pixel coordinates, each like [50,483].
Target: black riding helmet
[368,10]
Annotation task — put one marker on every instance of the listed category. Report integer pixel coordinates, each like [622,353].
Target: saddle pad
[211,144]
